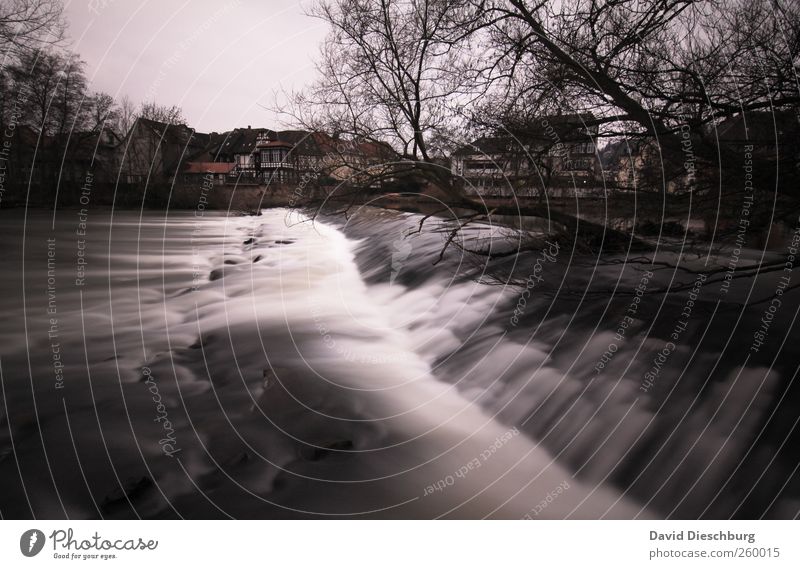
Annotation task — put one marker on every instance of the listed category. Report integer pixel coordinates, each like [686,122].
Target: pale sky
[217,59]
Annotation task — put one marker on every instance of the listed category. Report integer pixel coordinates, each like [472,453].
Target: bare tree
[162,113]
[670,71]
[103,112]
[49,89]
[125,117]
[27,25]
[408,71]
[36,79]
[648,63]
[391,72]
[70,107]
[669,75]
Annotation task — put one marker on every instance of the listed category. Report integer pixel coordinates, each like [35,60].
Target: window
[578,164]
[484,165]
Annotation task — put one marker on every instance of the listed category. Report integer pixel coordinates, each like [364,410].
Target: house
[77,167]
[155,151]
[768,140]
[19,163]
[769,133]
[492,165]
[273,159]
[94,152]
[638,164]
[199,173]
[312,152]
[551,152]
[362,163]
[266,156]
[237,147]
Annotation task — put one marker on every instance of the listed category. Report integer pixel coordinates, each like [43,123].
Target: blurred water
[272,366]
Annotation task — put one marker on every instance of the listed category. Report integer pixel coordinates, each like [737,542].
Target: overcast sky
[217,59]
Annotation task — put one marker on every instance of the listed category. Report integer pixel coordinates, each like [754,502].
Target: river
[198,365]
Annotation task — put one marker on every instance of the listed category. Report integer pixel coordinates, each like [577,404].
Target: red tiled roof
[208,167]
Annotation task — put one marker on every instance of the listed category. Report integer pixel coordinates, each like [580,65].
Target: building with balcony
[273,159]
[551,152]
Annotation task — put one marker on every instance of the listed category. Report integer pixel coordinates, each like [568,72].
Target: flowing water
[186,365]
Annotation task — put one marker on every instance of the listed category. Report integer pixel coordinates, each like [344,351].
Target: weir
[306,371]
